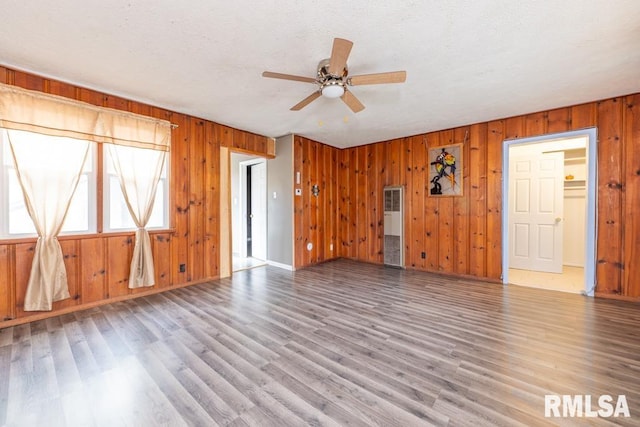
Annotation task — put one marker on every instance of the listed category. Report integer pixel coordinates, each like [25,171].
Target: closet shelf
[575,159]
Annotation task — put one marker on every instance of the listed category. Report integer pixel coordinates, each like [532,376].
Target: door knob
[558,219]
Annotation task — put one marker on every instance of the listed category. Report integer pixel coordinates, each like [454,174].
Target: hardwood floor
[342,343]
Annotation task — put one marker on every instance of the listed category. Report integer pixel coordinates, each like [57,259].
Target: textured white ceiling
[467,61]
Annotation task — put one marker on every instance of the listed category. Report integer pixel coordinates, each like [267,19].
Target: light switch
[275,196]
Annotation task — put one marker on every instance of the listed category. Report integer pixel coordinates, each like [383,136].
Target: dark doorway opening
[249,216]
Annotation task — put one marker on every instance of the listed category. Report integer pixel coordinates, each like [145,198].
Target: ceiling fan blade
[339,55]
[378,78]
[288,77]
[352,102]
[300,105]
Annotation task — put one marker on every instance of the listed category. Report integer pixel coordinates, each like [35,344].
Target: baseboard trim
[280,265]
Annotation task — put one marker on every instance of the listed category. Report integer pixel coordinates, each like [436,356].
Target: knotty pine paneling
[430,216]
[377,199]
[411,154]
[92,270]
[161,243]
[211,201]
[314,217]
[463,235]
[28,81]
[7,288]
[312,202]
[446,214]
[98,265]
[363,204]
[535,124]
[197,167]
[610,183]
[250,143]
[558,120]
[495,136]
[119,252]
[335,219]
[344,198]
[70,252]
[477,178]
[583,116]
[351,208]
[223,135]
[22,268]
[631,197]
[181,146]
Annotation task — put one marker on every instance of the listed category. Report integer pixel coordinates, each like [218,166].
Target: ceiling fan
[333,78]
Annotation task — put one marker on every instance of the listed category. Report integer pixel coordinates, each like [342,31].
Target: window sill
[10,241]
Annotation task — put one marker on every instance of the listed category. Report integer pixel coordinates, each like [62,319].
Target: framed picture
[445,170]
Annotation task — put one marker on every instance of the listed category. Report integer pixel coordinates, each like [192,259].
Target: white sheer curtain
[48,170]
[139,186]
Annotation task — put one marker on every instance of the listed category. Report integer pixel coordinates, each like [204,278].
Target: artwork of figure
[443,177]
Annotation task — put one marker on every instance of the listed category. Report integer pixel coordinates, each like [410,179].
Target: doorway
[548,215]
[248,211]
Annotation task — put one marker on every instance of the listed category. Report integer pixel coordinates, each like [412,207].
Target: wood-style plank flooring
[342,343]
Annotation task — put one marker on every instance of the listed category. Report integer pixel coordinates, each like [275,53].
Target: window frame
[98,198]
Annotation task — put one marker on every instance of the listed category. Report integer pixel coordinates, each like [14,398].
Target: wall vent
[394,226]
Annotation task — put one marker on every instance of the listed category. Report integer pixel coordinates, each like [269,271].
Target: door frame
[590,232]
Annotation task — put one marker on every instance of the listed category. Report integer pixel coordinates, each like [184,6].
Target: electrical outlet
[183,268]
[423,255]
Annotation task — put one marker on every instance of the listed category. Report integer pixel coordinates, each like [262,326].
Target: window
[81,218]
[116,213]
[14,218]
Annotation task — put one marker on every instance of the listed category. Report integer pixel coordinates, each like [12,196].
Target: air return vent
[393,226]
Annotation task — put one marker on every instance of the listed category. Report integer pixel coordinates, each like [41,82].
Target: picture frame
[445,170]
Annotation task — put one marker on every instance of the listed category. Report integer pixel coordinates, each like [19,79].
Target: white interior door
[535,211]
[259,210]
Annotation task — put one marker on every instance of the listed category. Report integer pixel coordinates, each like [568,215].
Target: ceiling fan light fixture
[332,78]
[333,89]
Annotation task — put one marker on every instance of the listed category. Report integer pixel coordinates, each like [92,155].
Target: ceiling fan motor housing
[323,70]
[331,86]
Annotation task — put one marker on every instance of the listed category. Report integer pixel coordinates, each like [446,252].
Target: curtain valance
[33,111]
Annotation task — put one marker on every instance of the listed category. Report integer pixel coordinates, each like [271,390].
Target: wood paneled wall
[315,217]
[98,265]
[462,235]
